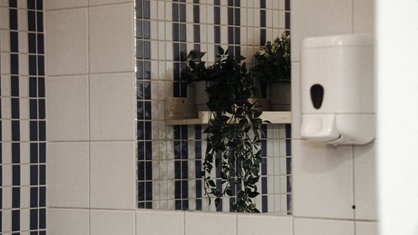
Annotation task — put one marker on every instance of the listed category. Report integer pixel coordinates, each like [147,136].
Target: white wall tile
[5,64]
[66,43]
[23,60]
[5,40]
[23,44]
[4,11]
[295,101]
[149,222]
[322,180]
[6,221]
[318,17]
[5,87]
[68,221]
[113,222]
[68,108]
[7,180]
[363,16]
[104,2]
[323,227]
[68,174]
[22,21]
[365,182]
[112,175]
[112,106]
[60,4]
[366,228]
[210,223]
[111,38]
[24,220]
[266,225]
[6,110]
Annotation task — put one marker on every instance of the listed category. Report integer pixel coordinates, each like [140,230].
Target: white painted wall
[397,71]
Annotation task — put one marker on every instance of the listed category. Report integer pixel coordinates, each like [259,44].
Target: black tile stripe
[143,90]
[179,46]
[198,166]
[234,40]
[198,128]
[36,127]
[287,16]
[217,26]
[15,123]
[181,184]
[288,167]
[263,22]
[217,40]
[1,159]
[234,30]
[264,178]
[181,170]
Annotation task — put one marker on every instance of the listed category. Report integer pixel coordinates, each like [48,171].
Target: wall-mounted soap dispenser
[337,89]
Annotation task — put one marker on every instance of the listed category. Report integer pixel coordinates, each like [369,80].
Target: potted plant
[233,132]
[195,76]
[272,69]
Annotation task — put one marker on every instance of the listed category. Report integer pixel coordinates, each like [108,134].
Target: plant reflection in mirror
[233,132]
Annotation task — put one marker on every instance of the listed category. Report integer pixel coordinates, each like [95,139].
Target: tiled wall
[169,157]
[91,111]
[91,159]
[334,188]
[96,137]
[22,122]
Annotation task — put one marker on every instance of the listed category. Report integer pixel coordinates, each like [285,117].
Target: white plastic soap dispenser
[337,89]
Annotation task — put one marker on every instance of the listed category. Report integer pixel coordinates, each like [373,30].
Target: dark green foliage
[234,130]
[272,62]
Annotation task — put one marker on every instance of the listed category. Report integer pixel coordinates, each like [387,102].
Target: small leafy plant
[233,132]
[272,62]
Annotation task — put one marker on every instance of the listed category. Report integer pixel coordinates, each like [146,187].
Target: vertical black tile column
[181,168]
[234,47]
[234,30]
[26,183]
[264,176]
[262,22]
[198,166]
[1,155]
[288,167]
[198,128]
[179,46]
[217,24]
[217,43]
[15,122]
[196,25]
[37,123]
[181,186]
[288,129]
[143,86]
[287,16]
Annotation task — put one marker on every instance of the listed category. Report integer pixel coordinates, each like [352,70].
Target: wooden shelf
[275,117]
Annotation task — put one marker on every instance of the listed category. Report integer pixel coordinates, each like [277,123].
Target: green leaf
[221,51]
[211,183]
[253,194]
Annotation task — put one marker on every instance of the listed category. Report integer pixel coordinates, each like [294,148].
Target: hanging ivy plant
[233,131]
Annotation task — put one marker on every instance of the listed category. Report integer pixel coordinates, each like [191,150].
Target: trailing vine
[233,131]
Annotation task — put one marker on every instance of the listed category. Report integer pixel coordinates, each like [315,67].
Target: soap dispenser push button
[317,95]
